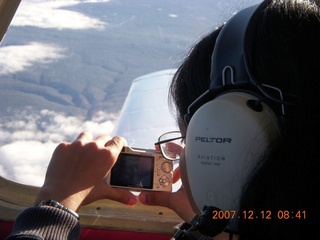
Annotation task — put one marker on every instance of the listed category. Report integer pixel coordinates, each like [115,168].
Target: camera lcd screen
[133,170]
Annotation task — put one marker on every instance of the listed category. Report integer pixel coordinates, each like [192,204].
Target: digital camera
[141,170]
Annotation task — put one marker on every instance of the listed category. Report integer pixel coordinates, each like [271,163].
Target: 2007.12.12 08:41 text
[265,214]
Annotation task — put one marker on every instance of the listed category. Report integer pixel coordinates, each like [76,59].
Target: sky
[53,86]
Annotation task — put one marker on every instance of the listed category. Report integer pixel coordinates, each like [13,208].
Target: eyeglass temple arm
[168,140]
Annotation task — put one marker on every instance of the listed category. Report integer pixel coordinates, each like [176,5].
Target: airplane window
[67,65]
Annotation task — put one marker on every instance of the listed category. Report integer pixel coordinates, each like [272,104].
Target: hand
[177,201]
[77,172]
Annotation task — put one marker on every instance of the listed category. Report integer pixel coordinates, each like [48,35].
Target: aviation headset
[227,135]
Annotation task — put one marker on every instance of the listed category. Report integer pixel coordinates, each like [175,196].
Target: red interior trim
[97,234]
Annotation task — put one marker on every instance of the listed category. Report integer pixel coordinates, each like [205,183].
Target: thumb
[105,191]
[177,201]
[122,196]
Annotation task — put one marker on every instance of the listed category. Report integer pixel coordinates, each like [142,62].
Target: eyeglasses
[171,144]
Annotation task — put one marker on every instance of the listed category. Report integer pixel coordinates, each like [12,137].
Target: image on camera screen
[133,170]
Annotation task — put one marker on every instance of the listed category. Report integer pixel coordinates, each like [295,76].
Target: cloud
[47,125]
[50,14]
[44,14]
[17,58]
[29,138]
[173,15]
[25,161]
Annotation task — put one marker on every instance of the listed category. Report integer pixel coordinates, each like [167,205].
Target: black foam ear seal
[225,140]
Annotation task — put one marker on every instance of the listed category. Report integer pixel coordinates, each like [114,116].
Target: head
[283,52]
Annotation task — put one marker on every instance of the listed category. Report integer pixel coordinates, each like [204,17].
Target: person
[285,53]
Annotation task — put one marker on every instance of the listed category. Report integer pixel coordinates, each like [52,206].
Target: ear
[225,139]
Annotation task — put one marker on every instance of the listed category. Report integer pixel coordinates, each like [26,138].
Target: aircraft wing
[145,114]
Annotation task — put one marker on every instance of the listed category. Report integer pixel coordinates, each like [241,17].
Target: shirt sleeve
[45,222]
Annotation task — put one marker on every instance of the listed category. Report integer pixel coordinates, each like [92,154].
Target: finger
[116,194]
[116,142]
[157,147]
[155,198]
[176,175]
[103,139]
[123,196]
[177,201]
[85,136]
[174,147]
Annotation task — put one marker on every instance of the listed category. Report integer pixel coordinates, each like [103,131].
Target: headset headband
[231,62]
[229,66]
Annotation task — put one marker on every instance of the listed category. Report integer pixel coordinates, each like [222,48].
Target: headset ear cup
[185,182]
[225,139]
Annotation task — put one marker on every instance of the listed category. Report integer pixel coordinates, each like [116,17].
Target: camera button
[164,181]
[166,167]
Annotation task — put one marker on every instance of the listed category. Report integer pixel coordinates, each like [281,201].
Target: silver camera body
[140,169]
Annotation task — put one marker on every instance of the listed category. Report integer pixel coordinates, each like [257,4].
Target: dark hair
[286,54]
[193,76]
